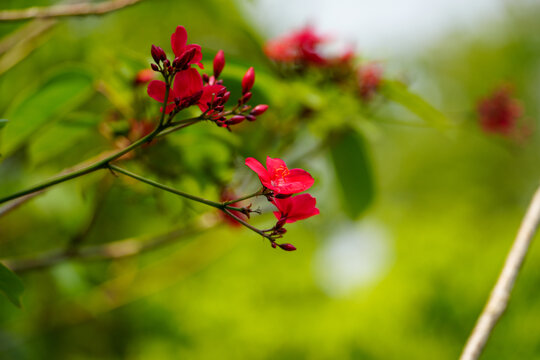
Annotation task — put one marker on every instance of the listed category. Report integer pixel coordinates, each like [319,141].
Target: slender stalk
[153,183]
[81,9]
[257,193]
[101,164]
[498,300]
[248,225]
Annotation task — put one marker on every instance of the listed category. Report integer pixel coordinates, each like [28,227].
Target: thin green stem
[217,205]
[101,164]
[257,193]
[248,225]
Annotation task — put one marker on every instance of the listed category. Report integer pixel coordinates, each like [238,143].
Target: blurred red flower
[499,112]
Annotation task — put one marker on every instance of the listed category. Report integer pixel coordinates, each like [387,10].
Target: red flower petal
[156,90]
[198,55]
[296,208]
[187,83]
[179,41]
[256,166]
[209,93]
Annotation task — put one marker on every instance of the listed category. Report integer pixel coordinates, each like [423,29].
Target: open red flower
[180,46]
[295,208]
[280,179]
[499,112]
[187,90]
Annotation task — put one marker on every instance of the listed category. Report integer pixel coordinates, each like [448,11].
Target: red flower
[143,76]
[187,90]
[499,113]
[295,208]
[369,79]
[298,46]
[279,178]
[180,46]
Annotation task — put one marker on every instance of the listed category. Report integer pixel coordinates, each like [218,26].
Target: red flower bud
[158,54]
[287,247]
[248,80]
[219,63]
[246,97]
[236,119]
[251,118]
[259,110]
[154,67]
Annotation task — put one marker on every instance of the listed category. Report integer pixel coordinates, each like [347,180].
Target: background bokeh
[400,274]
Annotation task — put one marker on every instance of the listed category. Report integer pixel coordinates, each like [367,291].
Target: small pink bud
[259,110]
[287,247]
[158,54]
[219,63]
[154,67]
[251,118]
[226,96]
[248,80]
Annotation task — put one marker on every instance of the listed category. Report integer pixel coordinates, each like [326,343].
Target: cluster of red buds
[189,88]
[305,48]
[279,185]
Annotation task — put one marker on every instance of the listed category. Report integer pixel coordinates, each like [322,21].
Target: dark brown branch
[56,11]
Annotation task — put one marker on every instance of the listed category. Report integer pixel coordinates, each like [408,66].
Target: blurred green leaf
[3,122]
[10,285]
[61,93]
[399,93]
[353,172]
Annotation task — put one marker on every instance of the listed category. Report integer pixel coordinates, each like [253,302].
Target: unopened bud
[259,110]
[248,80]
[158,54]
[251,118]
[154,67]
[246,97]
[219,108]
[205,78]
[287,247]
[226,97]
[236,119]
[166,63]
[219,63]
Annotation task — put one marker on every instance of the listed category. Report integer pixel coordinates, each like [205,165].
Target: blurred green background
[398,265]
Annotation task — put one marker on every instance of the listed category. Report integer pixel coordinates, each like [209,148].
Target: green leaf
[353,172]
[398,92]
[10,285]
[3,122]
[61,93]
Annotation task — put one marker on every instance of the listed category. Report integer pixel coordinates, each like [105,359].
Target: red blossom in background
[295,208]
[143,76]
[280,179]
[300,46]
[369,79]
[499,112]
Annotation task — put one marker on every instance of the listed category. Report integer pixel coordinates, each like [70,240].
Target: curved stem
[248,225]
[498,300]
[257,193]
[101,164]
[217,205]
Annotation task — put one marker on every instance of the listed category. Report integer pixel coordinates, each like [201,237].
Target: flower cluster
[279,184]
[185,87]
[305,48]
[499,112]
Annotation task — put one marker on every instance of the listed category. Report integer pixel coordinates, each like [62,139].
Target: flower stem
[257,193]
[248,225]
[153,183]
